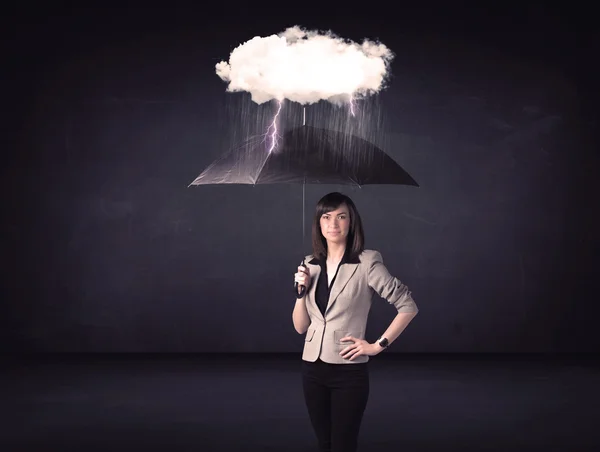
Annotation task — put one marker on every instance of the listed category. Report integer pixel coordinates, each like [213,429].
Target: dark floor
[246,403]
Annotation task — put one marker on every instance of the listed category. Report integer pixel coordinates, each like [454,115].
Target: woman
[341,278]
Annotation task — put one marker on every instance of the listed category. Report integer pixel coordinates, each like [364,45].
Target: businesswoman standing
[340,280]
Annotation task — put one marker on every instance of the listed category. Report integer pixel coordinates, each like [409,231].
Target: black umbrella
[307,155]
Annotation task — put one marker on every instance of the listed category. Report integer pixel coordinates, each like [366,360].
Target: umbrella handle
[302,288]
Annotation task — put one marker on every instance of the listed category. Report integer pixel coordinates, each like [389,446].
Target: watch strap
[383,342]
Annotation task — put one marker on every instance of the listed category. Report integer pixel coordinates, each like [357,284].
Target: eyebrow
[341,213]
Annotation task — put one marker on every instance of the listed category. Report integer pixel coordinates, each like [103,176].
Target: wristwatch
[383,342]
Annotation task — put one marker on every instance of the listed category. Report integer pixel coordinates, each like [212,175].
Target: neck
[335,251]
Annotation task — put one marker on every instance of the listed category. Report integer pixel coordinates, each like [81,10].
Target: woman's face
[335,225]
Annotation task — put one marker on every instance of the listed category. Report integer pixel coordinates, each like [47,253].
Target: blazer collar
[344,274]
[347,268]
[345,260]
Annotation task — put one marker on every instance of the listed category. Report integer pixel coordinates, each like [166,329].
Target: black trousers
[336,397]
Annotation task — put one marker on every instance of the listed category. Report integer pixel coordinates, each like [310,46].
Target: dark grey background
[112,113]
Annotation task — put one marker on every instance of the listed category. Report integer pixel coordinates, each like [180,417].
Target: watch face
[383,342]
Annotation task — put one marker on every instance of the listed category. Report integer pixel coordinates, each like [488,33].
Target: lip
[334,232]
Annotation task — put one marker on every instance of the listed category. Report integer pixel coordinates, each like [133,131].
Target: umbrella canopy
[307,155]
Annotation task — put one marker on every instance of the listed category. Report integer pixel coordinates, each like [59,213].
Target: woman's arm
[389,287]
[300,316]
[396,293]
[398,325]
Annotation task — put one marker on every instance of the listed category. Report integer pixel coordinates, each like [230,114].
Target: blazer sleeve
[388,287]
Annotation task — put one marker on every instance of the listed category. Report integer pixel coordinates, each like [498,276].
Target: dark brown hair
[355,244]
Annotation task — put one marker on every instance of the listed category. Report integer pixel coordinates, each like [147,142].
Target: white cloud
[306,67]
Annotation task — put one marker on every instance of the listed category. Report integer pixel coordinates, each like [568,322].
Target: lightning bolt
[273,135]
[352,105]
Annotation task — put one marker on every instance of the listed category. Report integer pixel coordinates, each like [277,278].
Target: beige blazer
[348,308]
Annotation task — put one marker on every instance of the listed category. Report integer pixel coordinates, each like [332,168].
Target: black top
[323,290]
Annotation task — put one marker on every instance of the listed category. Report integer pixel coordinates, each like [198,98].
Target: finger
[347,339]
[355,352]
[347,351]
[358,352]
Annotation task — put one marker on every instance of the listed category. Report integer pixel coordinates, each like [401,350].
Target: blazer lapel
[315,271]
[344,274]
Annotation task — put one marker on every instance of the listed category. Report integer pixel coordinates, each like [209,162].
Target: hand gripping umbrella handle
[302,288]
